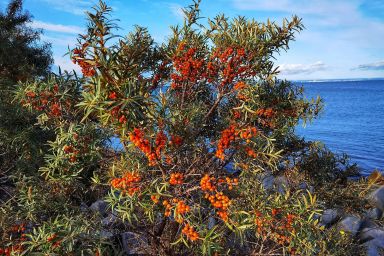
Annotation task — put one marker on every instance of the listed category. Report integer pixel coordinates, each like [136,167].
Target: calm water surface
[352,120]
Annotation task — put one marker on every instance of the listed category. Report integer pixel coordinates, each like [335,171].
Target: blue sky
[342,39]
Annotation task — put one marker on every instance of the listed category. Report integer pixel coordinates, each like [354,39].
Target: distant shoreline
[338,80]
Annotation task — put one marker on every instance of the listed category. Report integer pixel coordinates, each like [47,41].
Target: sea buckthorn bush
[174,136]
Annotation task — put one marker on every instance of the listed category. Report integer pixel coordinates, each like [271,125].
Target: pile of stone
[365,229]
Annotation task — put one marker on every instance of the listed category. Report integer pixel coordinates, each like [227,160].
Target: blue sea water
[352,121]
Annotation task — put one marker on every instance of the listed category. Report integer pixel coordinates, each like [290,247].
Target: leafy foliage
[22,57]
[200,118]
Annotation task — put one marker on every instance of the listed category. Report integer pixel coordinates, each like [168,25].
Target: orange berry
[176,179]
[52,237]
[189,232]
[128,183]
[155,198]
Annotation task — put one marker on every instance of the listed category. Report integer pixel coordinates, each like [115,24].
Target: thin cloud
[65,64]
[56,27]
[62,41]
[77,7]
[372,66]
[177,10]
[293,69]
[297,6]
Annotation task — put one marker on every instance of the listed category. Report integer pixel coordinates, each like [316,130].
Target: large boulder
[377,198]
[273,183]
[374,213]
[375,247]
[371,232]
[350,224]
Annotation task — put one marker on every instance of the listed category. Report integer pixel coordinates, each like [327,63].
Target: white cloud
[56,27]
[77,7]
[339,31]
[294,69]
[372,66]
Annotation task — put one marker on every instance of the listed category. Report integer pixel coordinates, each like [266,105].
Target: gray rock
[105,234]
[329,217]
[99,206]
[370,233]
[84,207]
[281,184]
[377,198]
[368,223]
[374,213]
[304,186]
[133,243]
[350,224]
[111,219]
[211,222]
[267,180]
[375,247]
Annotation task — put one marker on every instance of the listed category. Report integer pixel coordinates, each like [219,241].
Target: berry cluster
[71,152]
[117,116]
[278,226]
[181,207]
[190,232]
[112,95]
[11,250]
[176,178]
[188,67]
[18,236]
[250,152]
[242,97]
[239,86]
[230,182]
[227,136]
[236,114]
[217,199]
[160,142]
[265,112]
[176,140]
[168,208]
[207,183]
[159,74]
[290,112]
[232,63]
[128,183]
[155,198]
[47,101]
[122,119]
[221,202]
[54,241]
[248,133]
[137,138]
[78,56]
